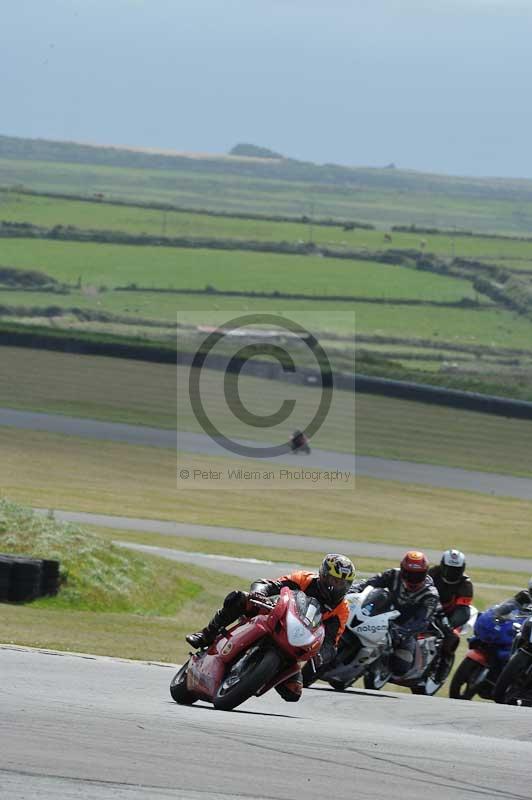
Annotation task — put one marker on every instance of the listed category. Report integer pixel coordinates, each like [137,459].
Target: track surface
[250,568]
[285,541]
[103,729]
[386,469]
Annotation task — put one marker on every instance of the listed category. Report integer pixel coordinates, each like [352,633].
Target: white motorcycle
[366,640]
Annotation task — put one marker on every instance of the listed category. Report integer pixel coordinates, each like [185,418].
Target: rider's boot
[232,608]
[202,638]
[443,668]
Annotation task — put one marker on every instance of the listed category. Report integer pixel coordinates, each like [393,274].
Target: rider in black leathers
[298,440]
[412,593]
[456,595]
[454,586]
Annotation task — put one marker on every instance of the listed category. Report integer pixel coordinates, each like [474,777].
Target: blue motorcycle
[489,650]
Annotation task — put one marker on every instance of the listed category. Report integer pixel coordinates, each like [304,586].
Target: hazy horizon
[439,88]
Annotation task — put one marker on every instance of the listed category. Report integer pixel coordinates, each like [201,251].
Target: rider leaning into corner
[413,593]
[298,439]
[329,586]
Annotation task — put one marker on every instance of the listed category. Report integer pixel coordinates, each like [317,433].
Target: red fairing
[478,656]
[207,668]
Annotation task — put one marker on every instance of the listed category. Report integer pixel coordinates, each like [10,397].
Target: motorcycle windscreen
[301,626]
[376,603]
[308,609]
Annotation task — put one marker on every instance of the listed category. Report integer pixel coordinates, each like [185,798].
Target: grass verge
[121,390]
[112,601]
[53,471]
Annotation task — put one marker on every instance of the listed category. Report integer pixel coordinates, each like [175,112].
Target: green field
[494,328]
[166,267]
[401,198]
[48,212]
[93,271]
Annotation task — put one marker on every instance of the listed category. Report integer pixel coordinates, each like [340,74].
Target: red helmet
[414,568]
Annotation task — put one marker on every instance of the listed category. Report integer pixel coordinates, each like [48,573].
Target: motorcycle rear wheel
[464,684]
[261,665]
[178,688]
[512,680]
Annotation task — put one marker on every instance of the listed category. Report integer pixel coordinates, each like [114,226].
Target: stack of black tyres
[5,573]
[23,578]
[50,577]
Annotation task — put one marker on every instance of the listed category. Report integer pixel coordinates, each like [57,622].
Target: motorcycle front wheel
[466,680]
[311,675]
[377,677]
[245,677]
[514,683]
[178,688]
[338,686]
[430,686]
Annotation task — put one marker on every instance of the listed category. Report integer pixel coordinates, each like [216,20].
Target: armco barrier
[416,392]
[23,578]
[422,393]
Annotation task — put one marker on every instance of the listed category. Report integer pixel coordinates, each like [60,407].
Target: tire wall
[23,578]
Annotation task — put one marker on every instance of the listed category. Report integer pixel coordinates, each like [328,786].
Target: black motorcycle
[514,686]
[299,443]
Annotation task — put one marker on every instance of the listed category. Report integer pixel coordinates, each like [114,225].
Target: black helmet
[335,578]
[452,566]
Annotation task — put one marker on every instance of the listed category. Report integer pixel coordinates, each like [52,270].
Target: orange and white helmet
[414,568]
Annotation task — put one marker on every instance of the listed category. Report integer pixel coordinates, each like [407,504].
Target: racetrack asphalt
[81,726]
[279,540]
[382,468]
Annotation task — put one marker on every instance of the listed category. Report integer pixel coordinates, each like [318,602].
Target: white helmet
[452,566]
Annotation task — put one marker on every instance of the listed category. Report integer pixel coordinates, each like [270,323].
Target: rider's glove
[259,597]
[450,642]
[397,633]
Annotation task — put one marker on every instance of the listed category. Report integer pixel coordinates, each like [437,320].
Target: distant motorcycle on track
[299,443]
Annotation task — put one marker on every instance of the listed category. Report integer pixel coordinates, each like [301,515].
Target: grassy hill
[281,185]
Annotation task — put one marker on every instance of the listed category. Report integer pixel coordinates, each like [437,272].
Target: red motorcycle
[255,655]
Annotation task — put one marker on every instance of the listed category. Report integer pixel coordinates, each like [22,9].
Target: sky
[434,85]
